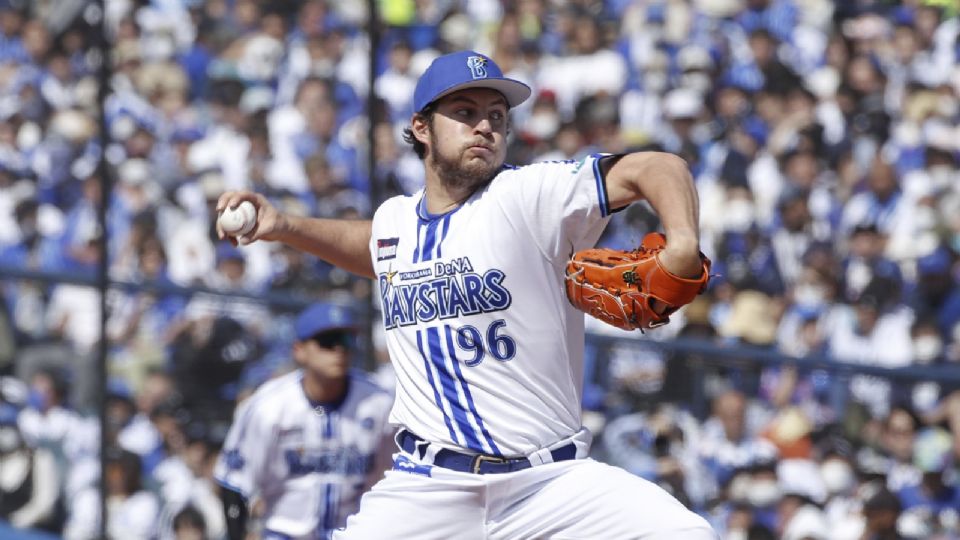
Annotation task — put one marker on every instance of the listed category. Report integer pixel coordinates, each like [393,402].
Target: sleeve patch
[234,460]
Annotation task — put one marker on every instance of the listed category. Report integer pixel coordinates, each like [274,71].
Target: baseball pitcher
[483,278]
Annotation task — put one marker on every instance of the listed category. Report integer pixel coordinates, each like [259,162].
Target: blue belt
[476,463]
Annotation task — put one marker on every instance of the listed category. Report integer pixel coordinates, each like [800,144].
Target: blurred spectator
[140,322]
[295,274]
[131,510]
[137,434]
[897,442]
[794,235]
[799,511]
[805,326]
[636,377]
[230,275]
[327,195]
[881,510]
[729,441]
[874,330]
[880,204]
[935,500]
[743,257]
[866,262]
[29,477]
[587,68]
[662,447]
[208,358]
[759,490]
[840,482]
[929,348]
[46,419]
[395,85]
[186,484]
[83,512]
[937,293]
[189,525]
[285,123]
[752,319]
[73,316]
[35,249]
[682,109]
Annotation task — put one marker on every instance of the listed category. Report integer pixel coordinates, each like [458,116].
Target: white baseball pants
[580,498]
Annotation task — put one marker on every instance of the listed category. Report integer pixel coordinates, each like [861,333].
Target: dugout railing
[690,368]
[685,364]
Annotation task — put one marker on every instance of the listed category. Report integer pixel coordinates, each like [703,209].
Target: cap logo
[478,67]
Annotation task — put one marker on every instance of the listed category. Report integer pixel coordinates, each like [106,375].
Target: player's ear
[420,126]
[299,352]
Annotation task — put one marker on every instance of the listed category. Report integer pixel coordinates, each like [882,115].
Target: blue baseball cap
[461,70]
[323,317]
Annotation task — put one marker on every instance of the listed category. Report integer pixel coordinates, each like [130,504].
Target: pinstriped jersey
[487,350]
[309,462]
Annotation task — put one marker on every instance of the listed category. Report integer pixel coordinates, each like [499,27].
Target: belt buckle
[479,459]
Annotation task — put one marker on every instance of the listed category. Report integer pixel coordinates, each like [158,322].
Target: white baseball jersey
[309,462]
[488,352]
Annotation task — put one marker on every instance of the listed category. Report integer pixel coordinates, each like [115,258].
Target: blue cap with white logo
[461,70]
[323,317]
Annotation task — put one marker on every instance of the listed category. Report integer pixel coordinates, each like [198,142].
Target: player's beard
[458,175]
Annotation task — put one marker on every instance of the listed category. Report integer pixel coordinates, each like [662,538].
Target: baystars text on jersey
[453,289]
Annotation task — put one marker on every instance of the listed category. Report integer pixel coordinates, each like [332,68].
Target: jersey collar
[326,406]
[423,215]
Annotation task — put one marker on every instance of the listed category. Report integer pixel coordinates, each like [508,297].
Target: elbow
[673,166]
[669,158]
[646,175]
[657,166]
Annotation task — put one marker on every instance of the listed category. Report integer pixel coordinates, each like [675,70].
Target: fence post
[97,14]
[373,39]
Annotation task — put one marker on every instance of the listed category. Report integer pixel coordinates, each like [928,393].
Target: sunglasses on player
[329,340]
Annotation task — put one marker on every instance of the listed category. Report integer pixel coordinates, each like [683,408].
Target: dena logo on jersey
[453,267]
[455,289]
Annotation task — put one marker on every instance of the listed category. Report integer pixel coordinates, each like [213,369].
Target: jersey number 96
[493,342]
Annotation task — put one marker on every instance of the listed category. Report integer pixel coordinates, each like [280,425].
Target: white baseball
[240,220]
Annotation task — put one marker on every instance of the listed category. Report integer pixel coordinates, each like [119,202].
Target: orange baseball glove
[618,287]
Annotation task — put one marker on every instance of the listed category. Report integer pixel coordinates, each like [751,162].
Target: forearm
[666,183]
[343,243]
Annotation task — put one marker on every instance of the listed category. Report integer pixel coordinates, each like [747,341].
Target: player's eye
[496,116]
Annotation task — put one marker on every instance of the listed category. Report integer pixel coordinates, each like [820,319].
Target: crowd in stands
[822,137]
